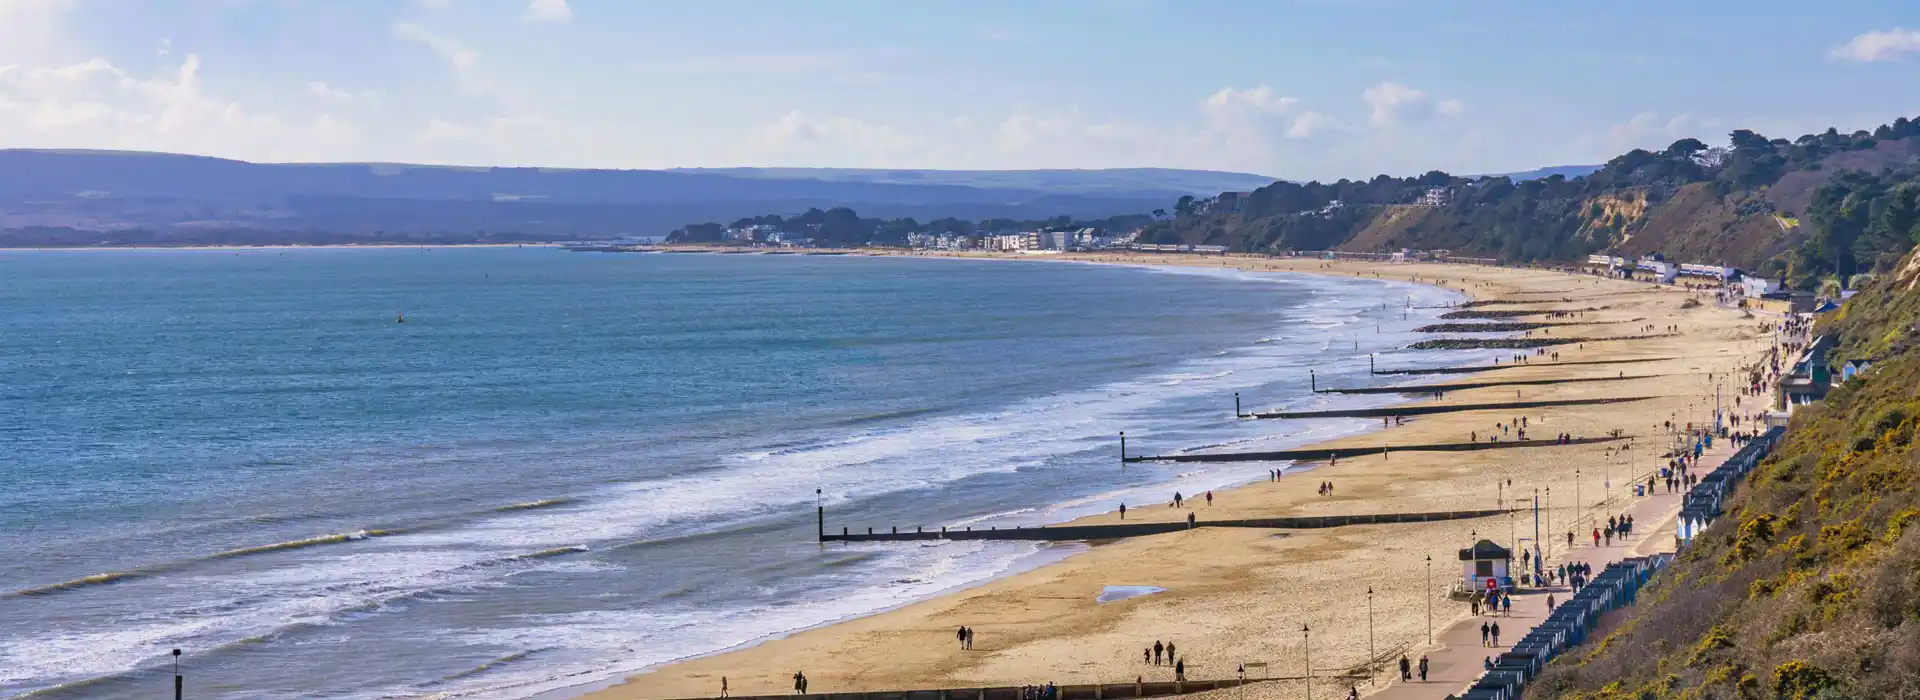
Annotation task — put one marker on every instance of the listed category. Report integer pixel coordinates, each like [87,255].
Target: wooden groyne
[1105,691]
[1516,343]
[1074,533]
[1461,386]
[1498,302]
[1425,410]
[1495,327]
[1484,368]
[1333,452]
[1511,313]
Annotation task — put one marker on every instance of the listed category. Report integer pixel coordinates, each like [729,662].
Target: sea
[565,467]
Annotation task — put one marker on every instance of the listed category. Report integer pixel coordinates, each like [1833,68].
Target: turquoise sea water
[564,466]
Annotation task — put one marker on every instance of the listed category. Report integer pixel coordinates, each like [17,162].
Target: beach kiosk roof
[1485,550]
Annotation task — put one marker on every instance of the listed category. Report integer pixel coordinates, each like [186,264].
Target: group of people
[1492,603]
[1490,634]
[1575,574]
[1407,668]
[1040,692]
[1153,655]
[1617,526]
[1326,488]
[965,637]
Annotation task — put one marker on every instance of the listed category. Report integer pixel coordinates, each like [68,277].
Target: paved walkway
[1457,661]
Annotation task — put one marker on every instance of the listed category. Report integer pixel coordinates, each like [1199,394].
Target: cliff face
[1743,206]
[1810,586]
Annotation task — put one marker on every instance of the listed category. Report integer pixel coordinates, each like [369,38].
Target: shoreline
[1048,553]
[224,248]
[1045,627]
[875,637]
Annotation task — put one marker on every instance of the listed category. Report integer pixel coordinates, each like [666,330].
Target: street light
[1429,599]
[1307,635]
[1370,654]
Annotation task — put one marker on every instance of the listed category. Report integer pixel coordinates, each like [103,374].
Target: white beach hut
[1483,562]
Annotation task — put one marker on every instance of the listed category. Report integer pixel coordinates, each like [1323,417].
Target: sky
[1298,89]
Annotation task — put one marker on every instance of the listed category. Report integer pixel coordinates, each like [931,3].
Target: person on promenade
[1569,539]
[1474,602]
[1423,668]
[1353,692]
[1496,634]
[1596,537]
[1549,603]
[1506,604]
[1406,669]
[1484,630]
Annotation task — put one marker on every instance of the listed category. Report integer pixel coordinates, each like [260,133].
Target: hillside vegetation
[1741,205]
[1809,587]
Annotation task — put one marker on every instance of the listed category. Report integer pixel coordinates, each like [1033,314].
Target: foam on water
[272,589]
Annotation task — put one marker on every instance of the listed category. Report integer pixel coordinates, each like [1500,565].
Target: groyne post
[179,683]
[1236,405]
[820,513]
[1123,448]
[1313,381]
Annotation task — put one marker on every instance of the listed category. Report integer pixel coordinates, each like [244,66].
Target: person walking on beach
[1180,670]
[723,686]
[1123,511]
[1146,655]
[1191,523]
[961,637]
[1169,651]
[1157,648]
[1209,499]
[799,683]
[969,638]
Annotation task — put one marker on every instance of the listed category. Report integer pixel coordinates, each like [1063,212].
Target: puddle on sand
[1113,593]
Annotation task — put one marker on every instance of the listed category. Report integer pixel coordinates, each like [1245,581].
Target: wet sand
[1236,596]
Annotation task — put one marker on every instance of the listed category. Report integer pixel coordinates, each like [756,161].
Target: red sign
[1492,583]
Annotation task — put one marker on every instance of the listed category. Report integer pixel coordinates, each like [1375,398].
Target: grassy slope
[1810,586]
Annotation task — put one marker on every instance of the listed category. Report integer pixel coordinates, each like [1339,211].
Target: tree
[1184,207]
[1745,140]
[1685,148]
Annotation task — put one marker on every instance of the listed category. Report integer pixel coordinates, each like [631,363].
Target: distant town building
[1436,197]
[1229,202]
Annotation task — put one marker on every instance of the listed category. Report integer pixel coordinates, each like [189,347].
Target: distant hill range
[79,197]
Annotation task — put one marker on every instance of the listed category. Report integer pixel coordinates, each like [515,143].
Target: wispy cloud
[552,11]
[746,63]
[1878,45]
[462,59]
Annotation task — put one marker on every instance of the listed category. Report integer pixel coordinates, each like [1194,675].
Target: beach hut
[1483,562]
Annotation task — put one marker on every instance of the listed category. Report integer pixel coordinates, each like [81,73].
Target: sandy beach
[1235,596]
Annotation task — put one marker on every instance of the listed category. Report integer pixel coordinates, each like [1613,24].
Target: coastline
[1041,624]
[341,246]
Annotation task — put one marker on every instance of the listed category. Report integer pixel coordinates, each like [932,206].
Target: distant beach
[1242,596]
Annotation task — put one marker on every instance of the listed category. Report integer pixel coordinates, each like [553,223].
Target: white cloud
[1646,130]
[1311,123]
[1258,99]
[1388,100]
[1393,104]
[1878,45]
[555,11]
[458,56]
[94,104]
[322,90]
[436,4]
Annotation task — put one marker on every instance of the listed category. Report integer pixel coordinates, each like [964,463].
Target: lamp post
[1307,636]
[1429,593]
[1370,653]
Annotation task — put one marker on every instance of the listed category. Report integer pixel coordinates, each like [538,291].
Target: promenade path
[1457,657]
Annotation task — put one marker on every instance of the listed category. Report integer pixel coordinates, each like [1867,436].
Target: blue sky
[1297,89]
